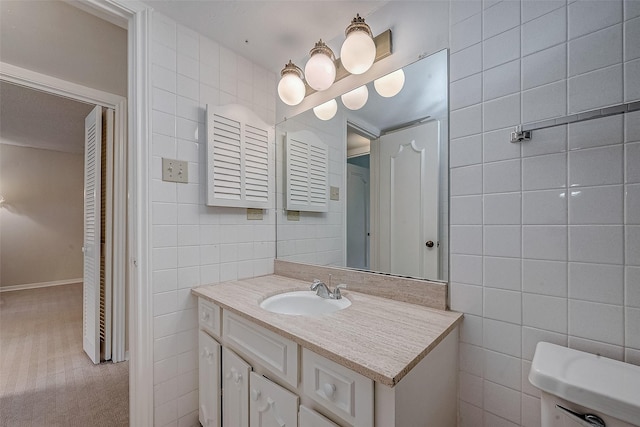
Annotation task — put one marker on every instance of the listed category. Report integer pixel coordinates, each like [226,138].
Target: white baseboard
[39,285]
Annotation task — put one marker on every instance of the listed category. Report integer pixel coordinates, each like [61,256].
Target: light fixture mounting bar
[383,49]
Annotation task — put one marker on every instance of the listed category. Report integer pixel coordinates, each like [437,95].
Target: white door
[357,200]
[408,201]
[235,383]
[91,245]
[271,405]
[209,380]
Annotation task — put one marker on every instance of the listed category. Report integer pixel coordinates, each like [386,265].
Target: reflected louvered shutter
[307,172]
[239,156]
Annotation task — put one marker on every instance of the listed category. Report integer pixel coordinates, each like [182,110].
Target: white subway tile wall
[194,244]
[542,232]
[559,216]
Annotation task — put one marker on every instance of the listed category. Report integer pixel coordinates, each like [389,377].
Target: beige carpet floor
[45,377]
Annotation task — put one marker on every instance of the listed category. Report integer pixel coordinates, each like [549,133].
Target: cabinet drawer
[276,353]
[310,418]
[345,393]
[209,315]
[271,405]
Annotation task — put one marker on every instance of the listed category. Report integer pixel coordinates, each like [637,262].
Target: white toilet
[583,389]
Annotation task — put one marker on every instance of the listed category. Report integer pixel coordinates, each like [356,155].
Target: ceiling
[37,119]
[270,33]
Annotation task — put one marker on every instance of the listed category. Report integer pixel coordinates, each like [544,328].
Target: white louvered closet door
[91,246]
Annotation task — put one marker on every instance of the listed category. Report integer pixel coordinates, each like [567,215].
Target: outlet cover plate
[334,193]
[254,214]
[175,171]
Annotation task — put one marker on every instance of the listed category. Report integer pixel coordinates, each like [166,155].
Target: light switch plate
[293,215]
[334,193]
[175,170]
[253,213]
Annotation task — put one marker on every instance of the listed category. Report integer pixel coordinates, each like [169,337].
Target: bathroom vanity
[379,362]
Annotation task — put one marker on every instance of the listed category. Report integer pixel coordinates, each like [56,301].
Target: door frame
[133,116]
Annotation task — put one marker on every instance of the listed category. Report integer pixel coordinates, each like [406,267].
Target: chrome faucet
[323,291]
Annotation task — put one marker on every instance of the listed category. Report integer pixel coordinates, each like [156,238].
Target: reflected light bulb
[391,84]
[327,110]
[291,87]
[320,70]
[355,99]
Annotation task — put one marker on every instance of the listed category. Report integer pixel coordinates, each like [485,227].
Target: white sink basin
[303,303]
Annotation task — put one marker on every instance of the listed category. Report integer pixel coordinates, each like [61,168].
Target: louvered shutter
[307,172]
[239,157]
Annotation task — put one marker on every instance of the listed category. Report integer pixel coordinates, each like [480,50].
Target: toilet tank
[585,384]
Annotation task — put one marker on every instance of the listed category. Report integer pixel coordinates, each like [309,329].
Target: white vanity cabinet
[262,379]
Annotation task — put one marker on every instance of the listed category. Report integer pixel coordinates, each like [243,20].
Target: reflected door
[357,201]
[407,239]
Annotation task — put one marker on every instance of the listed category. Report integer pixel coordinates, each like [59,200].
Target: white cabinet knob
[205,316]
[329,390]
[207,354]
[255,395]
[237,376]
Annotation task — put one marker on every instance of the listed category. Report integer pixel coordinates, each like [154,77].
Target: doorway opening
[45,313]
[358,199]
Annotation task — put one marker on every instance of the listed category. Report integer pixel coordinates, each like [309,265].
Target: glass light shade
[391,84]
[327,110]
[291,89]
[358,52]
[320,71]
[355,99]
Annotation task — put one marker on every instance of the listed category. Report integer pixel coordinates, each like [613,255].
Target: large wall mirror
[386,165]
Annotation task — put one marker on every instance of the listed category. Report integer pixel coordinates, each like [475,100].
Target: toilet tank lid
[605,385]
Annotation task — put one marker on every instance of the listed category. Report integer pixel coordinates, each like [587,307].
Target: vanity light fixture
[320,70]
[358,51]
[291,88]
[355,99]
[391,84]
[327,110]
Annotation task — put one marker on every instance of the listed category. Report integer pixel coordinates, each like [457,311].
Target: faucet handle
[337,294]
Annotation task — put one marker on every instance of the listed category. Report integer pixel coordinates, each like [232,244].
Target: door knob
[430,243]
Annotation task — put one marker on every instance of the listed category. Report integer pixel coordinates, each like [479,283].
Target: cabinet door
[271,405]
[310,418]
[209,380]
[235,383]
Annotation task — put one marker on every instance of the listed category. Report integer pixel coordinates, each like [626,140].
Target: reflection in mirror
[387,171]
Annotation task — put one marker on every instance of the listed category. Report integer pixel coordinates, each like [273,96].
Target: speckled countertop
[379,338]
